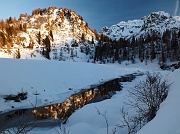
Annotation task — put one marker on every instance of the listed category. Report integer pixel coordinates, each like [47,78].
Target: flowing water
[60,112]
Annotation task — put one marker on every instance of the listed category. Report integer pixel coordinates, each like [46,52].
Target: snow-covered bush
[146,97]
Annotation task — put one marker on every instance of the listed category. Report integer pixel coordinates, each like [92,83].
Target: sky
[98,13]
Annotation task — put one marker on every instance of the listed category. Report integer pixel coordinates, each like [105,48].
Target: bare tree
[133,123]
[62,129]
[145,98]
[148,94]
[23,127]
[104,115]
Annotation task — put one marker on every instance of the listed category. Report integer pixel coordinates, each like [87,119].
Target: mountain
[61,34]
[65,25]
[155,23]
[154,37]
[45,28]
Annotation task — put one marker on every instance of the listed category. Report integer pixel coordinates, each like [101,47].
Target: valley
[55,71]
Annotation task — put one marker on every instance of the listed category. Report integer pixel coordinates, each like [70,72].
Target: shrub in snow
[146,97]
[17,98]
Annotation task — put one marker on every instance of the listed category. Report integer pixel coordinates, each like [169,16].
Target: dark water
[60,112]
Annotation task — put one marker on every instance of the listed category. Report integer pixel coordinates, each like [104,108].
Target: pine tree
[133,42]
[38,36]
[17,54]
[51,35]
[47,45]
[146,55]
[152,53]
[83,37]
[125,54]
[92,41]
[163,57]
[116,55]
[96,34]
[2,39]
[179,34]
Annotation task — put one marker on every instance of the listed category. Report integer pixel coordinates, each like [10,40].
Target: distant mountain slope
[155,23]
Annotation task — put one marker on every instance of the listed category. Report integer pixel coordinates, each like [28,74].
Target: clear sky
[98,13]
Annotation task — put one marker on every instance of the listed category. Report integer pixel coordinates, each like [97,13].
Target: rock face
[155,23]
[65,25]
[62,25]
[43,33]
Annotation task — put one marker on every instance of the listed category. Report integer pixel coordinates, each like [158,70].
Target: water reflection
[94,94]
[62,111]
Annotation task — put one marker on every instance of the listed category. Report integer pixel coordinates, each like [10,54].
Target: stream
[51,115]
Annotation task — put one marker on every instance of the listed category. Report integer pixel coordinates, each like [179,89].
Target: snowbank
[167,120]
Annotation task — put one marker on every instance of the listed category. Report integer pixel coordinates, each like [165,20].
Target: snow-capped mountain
[63,35]
[65,25]
[61,27]
[155,23]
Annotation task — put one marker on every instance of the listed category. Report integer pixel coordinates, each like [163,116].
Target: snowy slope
[86,120]
[54,79]
[155,23]
[167,120]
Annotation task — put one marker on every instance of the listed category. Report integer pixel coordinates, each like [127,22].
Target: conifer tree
[163,57]
[96,34]
[83,37]
[47,45]
[17,54]
[2,39]
[38,36]
[51,35]
[152,53]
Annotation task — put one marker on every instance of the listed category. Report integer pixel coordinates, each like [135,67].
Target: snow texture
[156,22]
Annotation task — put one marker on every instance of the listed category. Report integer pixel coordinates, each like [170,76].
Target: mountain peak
[159,15]
[157,18]
[156,22]
[64,24]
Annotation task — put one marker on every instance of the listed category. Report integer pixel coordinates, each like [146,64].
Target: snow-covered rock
[62,26]
[155,23]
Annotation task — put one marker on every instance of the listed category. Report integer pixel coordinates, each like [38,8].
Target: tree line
[149,48]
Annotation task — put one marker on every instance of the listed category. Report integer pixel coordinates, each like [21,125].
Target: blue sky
[98,13]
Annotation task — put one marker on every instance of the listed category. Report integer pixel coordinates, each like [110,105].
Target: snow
[88,114]
[56,78]
[156,21]
[167,119]
[53,80]
[124,29]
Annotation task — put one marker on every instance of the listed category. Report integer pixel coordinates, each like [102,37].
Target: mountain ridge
[65,24]
[55,26]
[61,34]
[155,23]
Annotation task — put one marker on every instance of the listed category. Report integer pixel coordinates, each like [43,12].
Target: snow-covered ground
[167,120]
[52,80]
